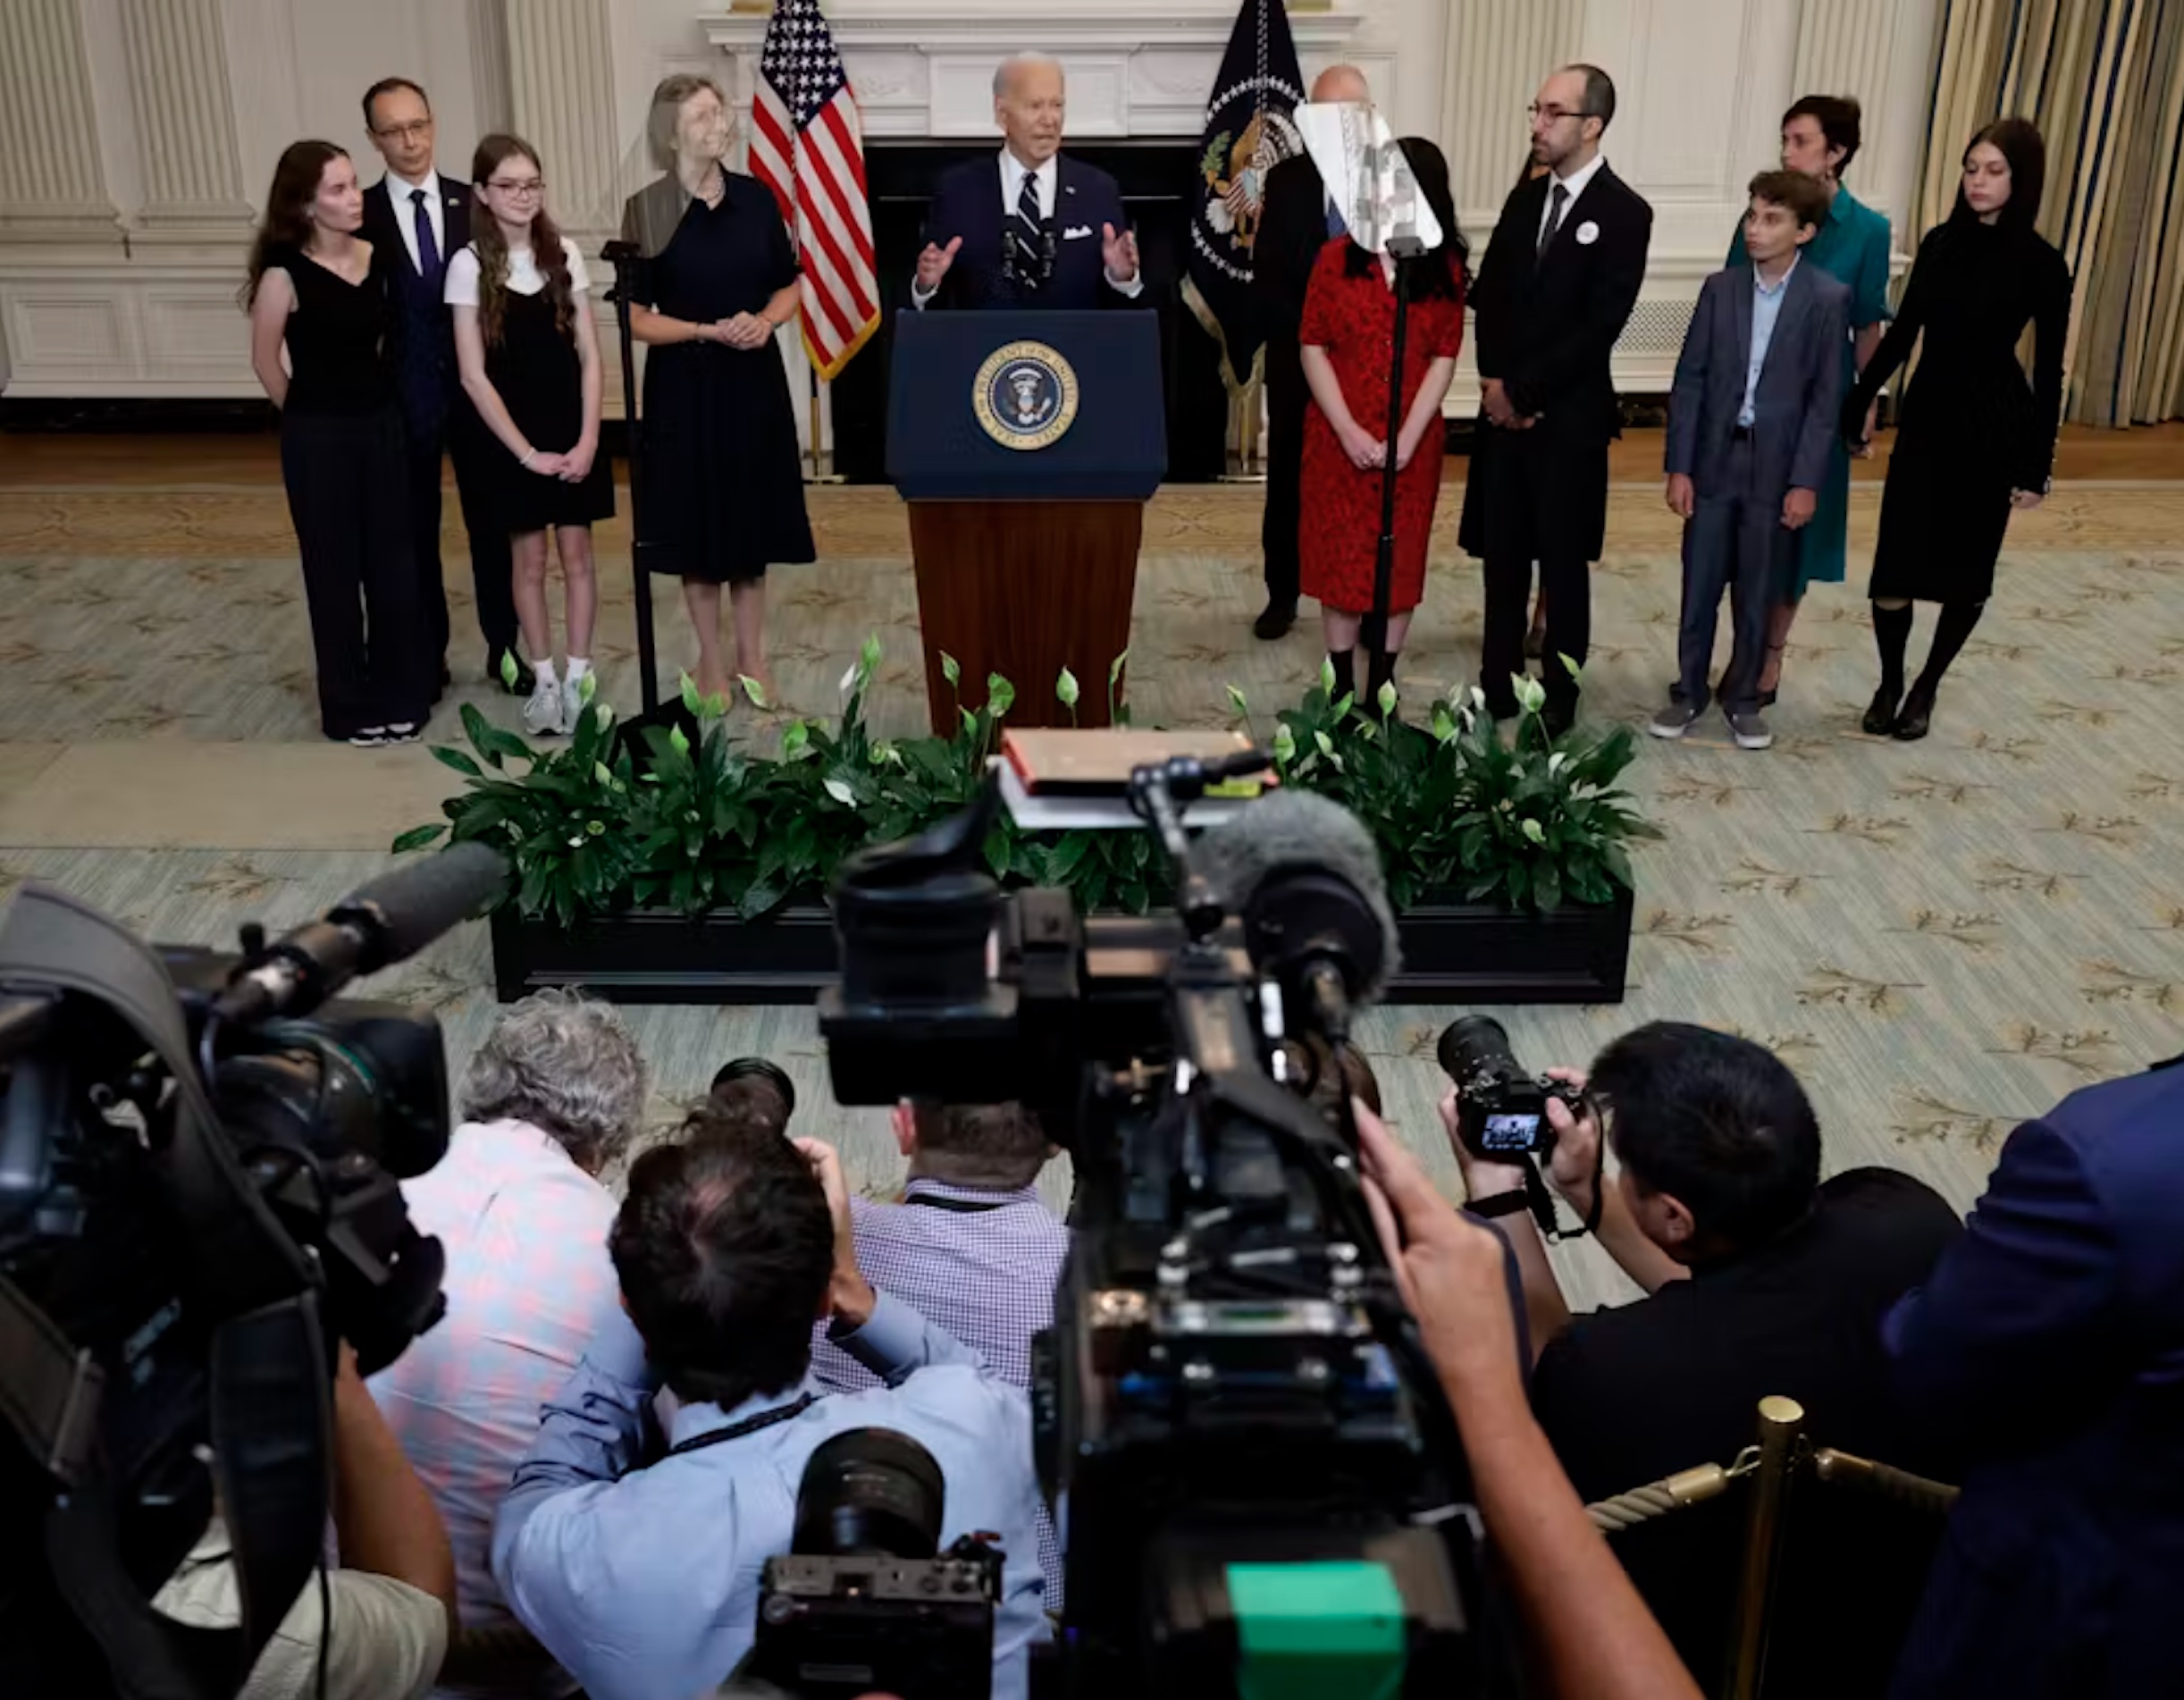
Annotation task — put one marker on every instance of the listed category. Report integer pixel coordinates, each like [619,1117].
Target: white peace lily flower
[1555,762]
[1530,692]
[849,679]
[841,793]
[1285,745]
[1478,697]
[1535,832]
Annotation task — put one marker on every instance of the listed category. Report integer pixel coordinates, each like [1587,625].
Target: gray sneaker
[1749,730]
[1675,720]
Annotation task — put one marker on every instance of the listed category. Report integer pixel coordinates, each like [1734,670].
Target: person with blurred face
[1976,441]
[1295,222]
[318,294]
[415,220]
[723,491]
[1043,229]
[1555,290]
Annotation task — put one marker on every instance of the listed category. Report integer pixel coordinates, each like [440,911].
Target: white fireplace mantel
[925,68]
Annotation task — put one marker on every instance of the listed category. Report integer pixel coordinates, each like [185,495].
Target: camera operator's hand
[1450,1269]
[849,1294]
[1575,1161]
[1483,1178]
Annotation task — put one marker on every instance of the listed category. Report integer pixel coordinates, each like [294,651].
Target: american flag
[807,146]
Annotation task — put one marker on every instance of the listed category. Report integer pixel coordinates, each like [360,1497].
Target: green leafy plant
[710,823]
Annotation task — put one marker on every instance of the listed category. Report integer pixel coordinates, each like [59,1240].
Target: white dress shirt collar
[1013,170]
[1576,180]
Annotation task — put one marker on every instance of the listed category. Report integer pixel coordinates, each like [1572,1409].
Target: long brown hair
[288,207]
[495,151]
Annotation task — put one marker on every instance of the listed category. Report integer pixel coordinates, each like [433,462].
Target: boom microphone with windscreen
[386,921]
[1303,876]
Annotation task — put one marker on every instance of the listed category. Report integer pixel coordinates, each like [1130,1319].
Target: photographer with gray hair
[551,1097]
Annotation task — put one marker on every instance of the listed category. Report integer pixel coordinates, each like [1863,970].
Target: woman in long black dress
[319,292]
[1976,440]
[724,495]
[529,354]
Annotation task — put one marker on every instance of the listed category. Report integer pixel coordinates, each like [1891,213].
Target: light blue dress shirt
[1766,309]
[644,1582]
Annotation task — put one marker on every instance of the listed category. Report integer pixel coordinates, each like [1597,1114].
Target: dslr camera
[865,1602]
[1501,1110]
[199,1156]
[1250,1461]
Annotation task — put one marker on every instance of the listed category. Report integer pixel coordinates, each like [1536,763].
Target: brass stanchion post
[1781,1421]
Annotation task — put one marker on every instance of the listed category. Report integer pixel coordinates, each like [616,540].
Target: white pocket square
[1076,231]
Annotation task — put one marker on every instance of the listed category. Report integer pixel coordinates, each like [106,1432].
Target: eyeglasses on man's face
[416,129]
[1551,114]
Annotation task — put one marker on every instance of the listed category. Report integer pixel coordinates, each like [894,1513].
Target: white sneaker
[370,737]
[572,702]
[543,713]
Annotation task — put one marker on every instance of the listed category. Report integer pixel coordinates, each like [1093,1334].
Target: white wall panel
[82,163]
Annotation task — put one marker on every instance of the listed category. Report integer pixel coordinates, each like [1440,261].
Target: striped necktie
[1028,232]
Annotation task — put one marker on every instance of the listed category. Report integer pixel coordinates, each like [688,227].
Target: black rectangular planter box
[1453,953]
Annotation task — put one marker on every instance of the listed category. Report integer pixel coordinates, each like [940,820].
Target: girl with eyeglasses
[529,354]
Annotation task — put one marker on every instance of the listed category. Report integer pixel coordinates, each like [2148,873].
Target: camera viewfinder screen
[1512,1132]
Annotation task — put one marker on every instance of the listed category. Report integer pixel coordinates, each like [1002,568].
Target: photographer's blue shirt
[644,1581]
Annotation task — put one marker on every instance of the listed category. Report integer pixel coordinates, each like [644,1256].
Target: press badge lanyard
[749,1426]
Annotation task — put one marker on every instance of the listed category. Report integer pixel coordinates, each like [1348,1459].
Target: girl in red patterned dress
[1349,340]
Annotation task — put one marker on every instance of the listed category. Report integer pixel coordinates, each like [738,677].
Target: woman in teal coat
[1819,137]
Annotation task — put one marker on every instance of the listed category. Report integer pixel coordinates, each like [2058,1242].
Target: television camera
[1252,1464]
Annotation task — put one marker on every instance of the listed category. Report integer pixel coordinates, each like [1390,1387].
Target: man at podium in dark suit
[1032,228]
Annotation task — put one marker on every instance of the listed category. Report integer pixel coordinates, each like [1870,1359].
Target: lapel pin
[1588,233]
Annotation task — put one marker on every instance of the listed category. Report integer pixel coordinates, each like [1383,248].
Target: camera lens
[911,939]
[1474,1045]
[870,1491]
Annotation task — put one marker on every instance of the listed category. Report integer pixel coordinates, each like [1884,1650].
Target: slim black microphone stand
[1403,250]
[627,260]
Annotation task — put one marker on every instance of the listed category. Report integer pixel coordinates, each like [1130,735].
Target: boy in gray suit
[1750,424]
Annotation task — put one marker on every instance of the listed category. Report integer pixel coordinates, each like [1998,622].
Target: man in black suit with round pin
[1555,290]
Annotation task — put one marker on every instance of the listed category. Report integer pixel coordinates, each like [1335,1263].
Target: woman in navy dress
[724,495]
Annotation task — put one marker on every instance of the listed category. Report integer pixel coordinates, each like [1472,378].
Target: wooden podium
[1026,445]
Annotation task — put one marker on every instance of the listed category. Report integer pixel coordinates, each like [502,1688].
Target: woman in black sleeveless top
[317,289]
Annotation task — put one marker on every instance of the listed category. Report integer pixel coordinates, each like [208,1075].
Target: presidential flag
[807,145]
[1248,131]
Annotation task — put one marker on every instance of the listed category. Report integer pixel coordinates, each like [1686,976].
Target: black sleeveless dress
[540,379]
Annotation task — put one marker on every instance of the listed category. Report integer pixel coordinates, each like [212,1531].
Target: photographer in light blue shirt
[643,1577]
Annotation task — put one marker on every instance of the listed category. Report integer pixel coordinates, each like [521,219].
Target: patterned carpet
[1941,937]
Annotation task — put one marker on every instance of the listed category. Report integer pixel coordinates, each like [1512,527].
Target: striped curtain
[2104,81]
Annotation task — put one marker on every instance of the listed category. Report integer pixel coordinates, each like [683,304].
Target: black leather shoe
[1880,720]
[1274,622]
[1916,716]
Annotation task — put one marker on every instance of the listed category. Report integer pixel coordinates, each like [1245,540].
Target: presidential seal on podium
[1026,396]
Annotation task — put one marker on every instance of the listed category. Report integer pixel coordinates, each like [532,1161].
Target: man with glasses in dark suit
[414,239]
[1556,288]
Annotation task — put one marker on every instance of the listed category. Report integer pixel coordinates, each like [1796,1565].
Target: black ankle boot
[1880,720]
[1344,663]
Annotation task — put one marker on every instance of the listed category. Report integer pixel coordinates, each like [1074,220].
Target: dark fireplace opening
[1156,178]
